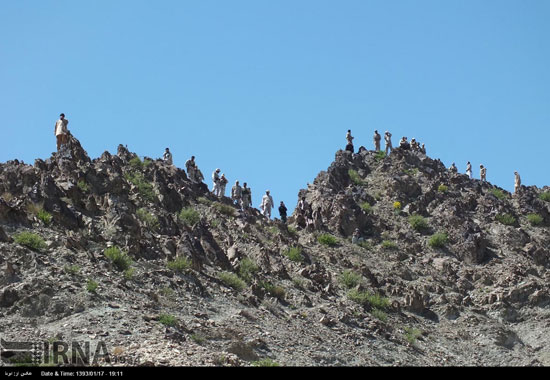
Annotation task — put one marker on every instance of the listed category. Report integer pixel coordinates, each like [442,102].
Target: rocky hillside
[131,253]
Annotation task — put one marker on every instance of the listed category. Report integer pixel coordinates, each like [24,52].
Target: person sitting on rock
[453,168]
[61,131]
[167,156]
[356,237]
[404,144]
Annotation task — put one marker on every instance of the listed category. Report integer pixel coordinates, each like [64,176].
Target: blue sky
[266,90]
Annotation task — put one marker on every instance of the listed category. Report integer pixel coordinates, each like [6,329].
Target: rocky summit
[129,256]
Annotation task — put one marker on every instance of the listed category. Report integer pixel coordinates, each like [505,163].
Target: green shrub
[506,219]
[442,188]
[224,209]
[535,219]
[168,320]
[364,298]
[418,222]
[150,220]
[292,231]
[349,279]
[379,314]
[91,286]
[204,201]
[129,273]
[274,290]
[365,244]
[498,193]
[388,244]
[71,269]
[198,338]
[355,177]
[294,254]
[265,363]
[438,240]
[180,264]
[380,155]
[135,163]
[366,207]
[83,186]
[328,240]
[247,269]
[189,216]
[145,189]
[30,240]
[44,216]
[120,259]
[545,196]
[232,280]
[412,334]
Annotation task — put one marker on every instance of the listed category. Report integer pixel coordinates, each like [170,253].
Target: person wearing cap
[61,132]
[517,183]
[267,204]
[236,194]
[223,183]
[167,156]
[482,173]
[216,181]
[387,140]
[377,139]
[469,169]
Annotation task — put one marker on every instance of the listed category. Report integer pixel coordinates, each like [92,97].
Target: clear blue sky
[266,90]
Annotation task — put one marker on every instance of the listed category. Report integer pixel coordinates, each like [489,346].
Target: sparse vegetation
[418,222]
[412,334]
[44,216]
[328,240]
[365,244]
[535,219]
[168,320]
[498,193]
[366,207]
[180,264]
[274,290]
[438,240]
[224,209]
[232,280]
[545,196]
[30,240]
[71,269]
[91,286]
[294,254]
[442,188]
[349,279]
[355,177]
[266,362]
[506,219]
[83,186]
[189,216]
[380,155]
[388,244]
[365,298]
[379,314]
[120,259]
[129,273]
[247,269]
[150,220]
[292,231]
[198,338]
[145,188]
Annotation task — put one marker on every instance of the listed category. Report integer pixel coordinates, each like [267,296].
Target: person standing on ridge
[483,173]
[387,140]
[236,194]
[267,204]
[61,131]
[377,139]
[517,183]
[246,196]
[223,183]
[469,169]
[167,156]
[282,212]
[216,181]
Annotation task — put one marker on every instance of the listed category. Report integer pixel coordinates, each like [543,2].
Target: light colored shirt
[61,127]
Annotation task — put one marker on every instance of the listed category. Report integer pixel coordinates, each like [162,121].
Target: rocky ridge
[215,286]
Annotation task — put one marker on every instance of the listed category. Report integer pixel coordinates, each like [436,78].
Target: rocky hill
[132,257]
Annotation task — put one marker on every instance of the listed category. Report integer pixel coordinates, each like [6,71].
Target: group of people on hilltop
[414,145]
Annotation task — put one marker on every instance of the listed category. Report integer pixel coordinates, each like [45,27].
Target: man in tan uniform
[61,131]
[517,183]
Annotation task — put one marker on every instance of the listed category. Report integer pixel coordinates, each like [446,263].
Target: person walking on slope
[61,131]
[282,212]
[517,183]
[483,173]
[376,138]
[216,181]
[167,156]
[469,169]
[387,140]
[236,194]
[267,204]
